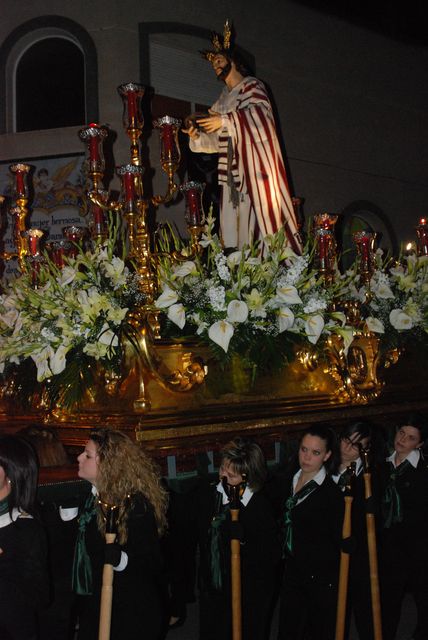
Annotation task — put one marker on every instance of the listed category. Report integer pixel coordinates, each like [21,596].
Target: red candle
[94,151]
[132,105]
[20,184]
[193,206]
[98,214]
[168,138]
[128,185]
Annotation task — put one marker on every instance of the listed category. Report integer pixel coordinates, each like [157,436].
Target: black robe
[309,591]
[260,557]
[138,609]
[404,553]
[24,581]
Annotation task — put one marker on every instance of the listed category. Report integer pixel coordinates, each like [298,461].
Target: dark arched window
[50,86]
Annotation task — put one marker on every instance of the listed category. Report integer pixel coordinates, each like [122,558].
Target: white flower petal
[400,320]
[313,327]
[288,294]
[237,311]
[285,319]
[177,315]
[166,298]
[221,333]
[375,325]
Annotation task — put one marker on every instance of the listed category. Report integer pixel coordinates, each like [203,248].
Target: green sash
[391,502]
[289,506]
[4,506]
[82,569]
[217,556]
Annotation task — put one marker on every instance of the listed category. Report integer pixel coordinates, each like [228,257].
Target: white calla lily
[166,298]
[177,315]
[107,336]
[285,319]
[313,327]
[375,325]
[288,294]
[237,311]
[400,320]
[221,333]
[57,361]
[184,269]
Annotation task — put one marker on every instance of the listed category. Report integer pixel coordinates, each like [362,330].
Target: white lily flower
[400,320]
[313,327]
[57,360]
[107,336]
[41,360]
[285,319]
[67,275]
[221,333]
[184,269]
[234,258]
[166,298]
[288,294]
[382,290]
[237,311]
[375,325]
[9,318]
[347,333]
[177,315]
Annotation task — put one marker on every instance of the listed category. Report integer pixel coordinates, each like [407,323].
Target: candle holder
[33,237]
[364,243]
[98,223]
[133,209]
[75,236]
[94,136]
[170,154]
[325,253]
[58,250]
[19,213]
[325,221]
[132,94]
[194,213]
[422,237]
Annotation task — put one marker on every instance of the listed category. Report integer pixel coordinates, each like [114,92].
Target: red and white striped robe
[257,167]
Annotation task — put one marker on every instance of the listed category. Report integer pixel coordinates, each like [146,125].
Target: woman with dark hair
[121,474]
[356,438]
[23,554]
[313,516]
[242,463]
[404,548]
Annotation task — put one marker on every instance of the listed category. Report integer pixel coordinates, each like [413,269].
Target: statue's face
[222,66]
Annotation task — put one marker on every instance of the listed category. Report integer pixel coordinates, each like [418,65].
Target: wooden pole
[107,584]
[344,560]
[372,547]
[235,547]
[234,493]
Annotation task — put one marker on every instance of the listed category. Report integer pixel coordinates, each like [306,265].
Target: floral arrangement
[71,319]
[394,304]
[247,304]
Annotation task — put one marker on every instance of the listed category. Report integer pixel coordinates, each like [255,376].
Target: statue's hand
[211,123]
[192,132]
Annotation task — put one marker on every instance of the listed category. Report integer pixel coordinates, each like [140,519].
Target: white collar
[6,520]
[358,469]
[245,498]
[413,457]
[319,477]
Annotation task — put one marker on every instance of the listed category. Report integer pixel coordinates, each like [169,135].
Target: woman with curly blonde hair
[122,475]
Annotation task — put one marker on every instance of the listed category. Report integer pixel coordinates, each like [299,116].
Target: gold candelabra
[134,208]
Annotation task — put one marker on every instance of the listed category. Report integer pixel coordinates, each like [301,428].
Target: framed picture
[56,189]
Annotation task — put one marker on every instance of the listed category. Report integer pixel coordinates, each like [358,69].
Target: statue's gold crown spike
[221,44]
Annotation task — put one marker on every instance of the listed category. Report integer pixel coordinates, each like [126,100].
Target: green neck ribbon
[82,568]
[217,556]
[289,506]
[391,503]
[4,506]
